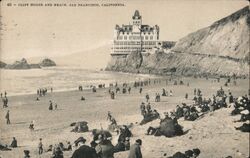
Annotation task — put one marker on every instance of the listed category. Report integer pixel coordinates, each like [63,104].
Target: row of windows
[132,48]
[135,37]
[127,47]
[144,33]
[134,43]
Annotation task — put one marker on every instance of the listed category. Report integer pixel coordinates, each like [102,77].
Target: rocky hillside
[220,49]
[226,37]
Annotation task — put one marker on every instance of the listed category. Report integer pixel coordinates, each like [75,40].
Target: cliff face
[226,37]
[220,49]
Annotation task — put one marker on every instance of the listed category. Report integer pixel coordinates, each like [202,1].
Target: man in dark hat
[83,150]
[135,149]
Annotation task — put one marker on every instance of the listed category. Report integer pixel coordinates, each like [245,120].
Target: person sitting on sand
[104,148]
[188,154]
[4,147]
[179,112]
[113,121]
[69,147]
[153,131]
[37,99]
[166,117]
[50,148]
[13,143]
[82,98]
[83,150]
[170,93]
[31,127]
[26,154]
[57,153]
[156,113]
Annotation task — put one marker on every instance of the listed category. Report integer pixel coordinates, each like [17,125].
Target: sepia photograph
[124,79]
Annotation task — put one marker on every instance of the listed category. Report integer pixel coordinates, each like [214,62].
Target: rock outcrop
[2,64]
[47,63]
[221,49]
[22,64]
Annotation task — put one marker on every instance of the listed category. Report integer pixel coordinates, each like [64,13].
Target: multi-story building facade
[134,37]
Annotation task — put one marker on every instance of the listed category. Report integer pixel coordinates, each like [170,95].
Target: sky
[57,31]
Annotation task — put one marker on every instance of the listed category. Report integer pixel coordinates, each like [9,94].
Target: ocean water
[17,82]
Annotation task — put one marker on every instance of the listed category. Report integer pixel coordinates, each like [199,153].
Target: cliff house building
[134,37]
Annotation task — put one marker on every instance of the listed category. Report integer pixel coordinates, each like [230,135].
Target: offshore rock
[47,63]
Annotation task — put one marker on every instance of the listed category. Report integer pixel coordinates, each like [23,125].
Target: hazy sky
[52,31]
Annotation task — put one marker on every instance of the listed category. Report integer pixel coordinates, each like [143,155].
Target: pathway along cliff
[221,49]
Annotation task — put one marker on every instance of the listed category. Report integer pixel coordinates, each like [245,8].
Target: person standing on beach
[147,97]
[140,90]
[50,105]
[5,93]
[40,147]
[8,117]
[129,89]
[135,149]
[51,89]
[1,95]
[109,118]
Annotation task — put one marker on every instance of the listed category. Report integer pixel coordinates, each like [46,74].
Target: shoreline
[53,126]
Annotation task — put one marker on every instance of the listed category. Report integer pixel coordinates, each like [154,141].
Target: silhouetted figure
[8,117]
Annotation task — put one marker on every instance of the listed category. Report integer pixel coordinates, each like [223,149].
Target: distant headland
[23,64]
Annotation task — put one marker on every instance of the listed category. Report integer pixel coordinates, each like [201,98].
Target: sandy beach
[214,134]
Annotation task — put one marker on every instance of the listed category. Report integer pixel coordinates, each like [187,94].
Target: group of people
[51,107]
[5,101]
[43,91]
[168,127]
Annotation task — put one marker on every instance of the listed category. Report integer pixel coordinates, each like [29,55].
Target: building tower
[137,21]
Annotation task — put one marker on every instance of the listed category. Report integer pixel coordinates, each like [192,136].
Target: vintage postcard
[124,78]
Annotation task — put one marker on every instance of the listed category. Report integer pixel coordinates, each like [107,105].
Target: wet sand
[214,134]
